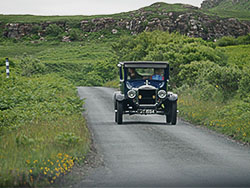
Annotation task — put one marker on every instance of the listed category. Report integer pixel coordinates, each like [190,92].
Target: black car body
[144,90]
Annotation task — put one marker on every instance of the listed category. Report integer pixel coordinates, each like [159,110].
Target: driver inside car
[133,75]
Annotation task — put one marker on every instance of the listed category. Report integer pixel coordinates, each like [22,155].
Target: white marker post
[7,68]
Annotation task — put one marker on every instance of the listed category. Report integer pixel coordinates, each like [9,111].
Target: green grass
[58,51]
[231,118]
[241,15]
[227,9]
[42,131]
[238,55]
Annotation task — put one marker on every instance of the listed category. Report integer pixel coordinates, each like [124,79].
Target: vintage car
[144,90]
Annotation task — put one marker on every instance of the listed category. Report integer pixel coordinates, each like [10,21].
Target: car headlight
[162,94]
[131,94]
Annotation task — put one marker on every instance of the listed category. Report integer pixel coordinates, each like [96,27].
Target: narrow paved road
[145,152]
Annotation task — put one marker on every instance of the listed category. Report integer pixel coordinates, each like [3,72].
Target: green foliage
[226,41]
[23,140]
[244,84]
[162,46]
[25,99]
[229,40]
[75,34]
[229,9]
[190,73]
[30,66]
[36,114]
[36,29]
[54,30]
[231,119]
[67,139]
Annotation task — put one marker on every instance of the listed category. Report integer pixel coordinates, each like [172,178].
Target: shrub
[244,86]
[53,30]
[189,73]
[226,41]
[36,29]
[229,40]
[30,66]
[211,78]
[75,34]
[67,139]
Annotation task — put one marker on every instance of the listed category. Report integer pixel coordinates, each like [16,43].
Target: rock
[66,39]
[114,31]
[34,42]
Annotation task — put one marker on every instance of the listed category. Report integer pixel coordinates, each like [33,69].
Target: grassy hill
[229,8]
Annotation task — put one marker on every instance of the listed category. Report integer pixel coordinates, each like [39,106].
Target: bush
[30,66]
[36,29]
[75,34]
[226,41]
[53,30]
[211,78]
[189,73]
[229,40]
[244,84]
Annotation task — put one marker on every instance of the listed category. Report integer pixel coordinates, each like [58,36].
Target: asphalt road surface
[146,152]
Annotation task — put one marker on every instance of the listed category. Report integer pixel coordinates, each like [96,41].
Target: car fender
[172,96]
[118,97]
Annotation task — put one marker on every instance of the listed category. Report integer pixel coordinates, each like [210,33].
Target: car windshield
[145,74]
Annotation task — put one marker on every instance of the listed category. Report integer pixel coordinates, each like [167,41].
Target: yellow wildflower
[66,155]
[30,170]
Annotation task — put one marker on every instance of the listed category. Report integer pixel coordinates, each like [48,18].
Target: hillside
[185,19]
[228,8]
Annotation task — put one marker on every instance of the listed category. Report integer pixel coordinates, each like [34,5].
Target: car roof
[144,64]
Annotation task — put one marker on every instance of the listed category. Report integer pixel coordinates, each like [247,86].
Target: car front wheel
[173,113]
[119,112]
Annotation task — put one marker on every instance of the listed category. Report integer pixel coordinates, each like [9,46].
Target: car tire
[116,116]
[168,112]
[119,112]
[168,119]
[115,111]
[173,113]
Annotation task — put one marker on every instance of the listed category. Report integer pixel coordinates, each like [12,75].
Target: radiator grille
[147,96]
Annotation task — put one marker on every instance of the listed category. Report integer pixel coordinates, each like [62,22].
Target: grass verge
[231,119]
[42,131]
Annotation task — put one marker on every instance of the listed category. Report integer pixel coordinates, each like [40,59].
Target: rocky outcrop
[18,30]
[191,23]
